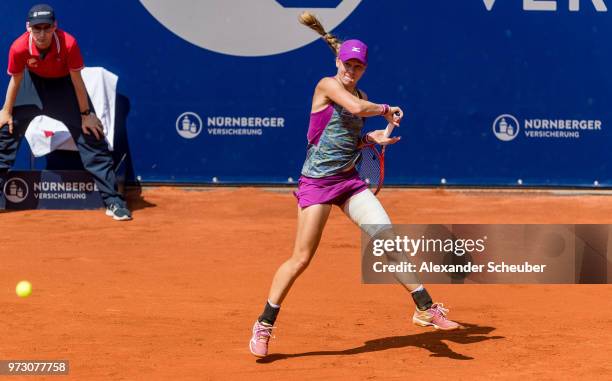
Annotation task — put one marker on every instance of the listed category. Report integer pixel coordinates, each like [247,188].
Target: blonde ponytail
[308,19]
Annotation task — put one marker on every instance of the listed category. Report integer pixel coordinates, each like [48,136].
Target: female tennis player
[329,178]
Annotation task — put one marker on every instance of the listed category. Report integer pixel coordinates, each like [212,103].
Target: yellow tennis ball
[23,289]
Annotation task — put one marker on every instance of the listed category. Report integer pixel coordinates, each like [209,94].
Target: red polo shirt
[63,57]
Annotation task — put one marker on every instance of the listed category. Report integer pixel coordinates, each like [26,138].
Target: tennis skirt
[335,189]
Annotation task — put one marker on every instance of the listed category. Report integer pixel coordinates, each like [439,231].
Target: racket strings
[369,166]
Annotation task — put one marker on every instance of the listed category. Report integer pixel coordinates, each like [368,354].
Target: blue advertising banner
[495,92]
[23,190]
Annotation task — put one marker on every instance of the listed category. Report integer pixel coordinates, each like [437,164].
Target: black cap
[41,14]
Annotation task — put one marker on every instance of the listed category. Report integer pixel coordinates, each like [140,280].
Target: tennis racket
[371,164]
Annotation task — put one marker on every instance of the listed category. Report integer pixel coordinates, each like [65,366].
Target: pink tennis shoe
[435,317]
[262,333]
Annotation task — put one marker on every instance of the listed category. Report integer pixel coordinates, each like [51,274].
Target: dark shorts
[335,189]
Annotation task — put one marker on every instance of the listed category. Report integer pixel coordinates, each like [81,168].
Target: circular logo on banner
[247,28]
[15,190]
[506,127]
[189,125]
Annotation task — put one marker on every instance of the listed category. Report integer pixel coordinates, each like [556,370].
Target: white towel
[45,134]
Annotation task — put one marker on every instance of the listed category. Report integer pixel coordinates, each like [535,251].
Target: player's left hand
[92,125]
[378,137]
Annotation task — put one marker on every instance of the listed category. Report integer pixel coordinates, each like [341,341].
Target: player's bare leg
[311,221]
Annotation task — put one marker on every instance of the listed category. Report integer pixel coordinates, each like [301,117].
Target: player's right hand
[6,119]
[394,115]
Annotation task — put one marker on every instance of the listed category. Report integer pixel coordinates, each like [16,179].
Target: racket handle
[390,127]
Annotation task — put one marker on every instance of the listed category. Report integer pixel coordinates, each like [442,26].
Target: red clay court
[173,294]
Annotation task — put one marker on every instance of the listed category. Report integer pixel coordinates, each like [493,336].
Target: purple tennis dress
[328,174]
